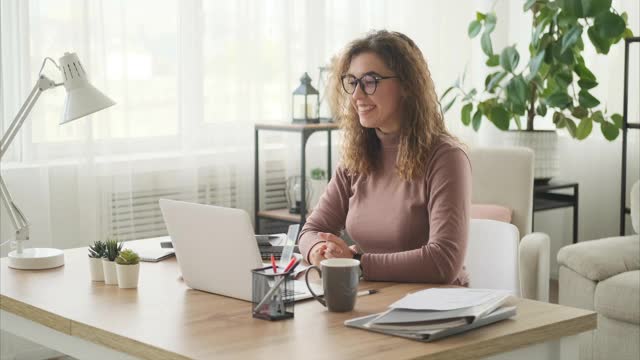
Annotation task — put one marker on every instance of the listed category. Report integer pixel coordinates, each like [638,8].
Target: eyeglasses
[368,83]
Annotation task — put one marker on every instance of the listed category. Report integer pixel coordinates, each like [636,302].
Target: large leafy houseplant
[556,78]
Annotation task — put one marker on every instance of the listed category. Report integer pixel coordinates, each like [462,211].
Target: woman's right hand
[317,254]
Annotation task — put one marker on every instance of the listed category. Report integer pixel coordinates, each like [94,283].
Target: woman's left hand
[336,247]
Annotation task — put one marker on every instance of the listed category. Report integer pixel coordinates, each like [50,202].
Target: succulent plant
[97,250]
[112,249]
[128,257]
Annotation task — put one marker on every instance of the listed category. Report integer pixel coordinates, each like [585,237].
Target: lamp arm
[18,120]
[18,220]
[43,83]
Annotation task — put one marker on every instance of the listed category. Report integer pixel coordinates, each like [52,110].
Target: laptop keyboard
[276,251]
[292,293]
[267,255]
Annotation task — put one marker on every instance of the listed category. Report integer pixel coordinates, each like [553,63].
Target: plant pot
[128,276]
[95,267]
[317,190]
[110,276]
[544,144]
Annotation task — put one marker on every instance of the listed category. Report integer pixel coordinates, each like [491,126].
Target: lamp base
[36,259]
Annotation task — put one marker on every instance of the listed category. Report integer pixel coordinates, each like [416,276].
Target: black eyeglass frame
[377,78]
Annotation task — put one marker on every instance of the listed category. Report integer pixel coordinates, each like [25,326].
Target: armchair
[504,176]
[604,276]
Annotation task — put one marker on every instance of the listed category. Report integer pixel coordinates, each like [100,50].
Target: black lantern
[305,102]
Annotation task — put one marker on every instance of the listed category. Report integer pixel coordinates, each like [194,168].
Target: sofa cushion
[598,260]
[491,212]
[618,297]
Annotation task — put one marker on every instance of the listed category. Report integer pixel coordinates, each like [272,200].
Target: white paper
[446,299]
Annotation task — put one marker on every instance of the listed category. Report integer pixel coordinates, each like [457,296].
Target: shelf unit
[626,125]
[546,197]
[305,131]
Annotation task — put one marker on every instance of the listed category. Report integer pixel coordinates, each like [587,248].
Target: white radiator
[273,196]
[137,215]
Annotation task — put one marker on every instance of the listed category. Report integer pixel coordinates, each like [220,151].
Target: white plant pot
[128,276]
[318,187]
[545,147]
[110,276]
[97,271]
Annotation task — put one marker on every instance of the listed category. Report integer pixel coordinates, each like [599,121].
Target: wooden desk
[163,319]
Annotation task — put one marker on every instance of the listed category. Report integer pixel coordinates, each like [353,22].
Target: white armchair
[492,256]
[604,276]
[504,176]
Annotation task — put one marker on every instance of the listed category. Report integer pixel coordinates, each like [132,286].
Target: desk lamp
[82,99]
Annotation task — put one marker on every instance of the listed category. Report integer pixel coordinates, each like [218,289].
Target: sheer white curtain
[190,79]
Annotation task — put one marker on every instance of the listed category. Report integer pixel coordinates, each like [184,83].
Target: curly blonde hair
[421,123]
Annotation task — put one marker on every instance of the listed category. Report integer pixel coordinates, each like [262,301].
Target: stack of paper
[435,313]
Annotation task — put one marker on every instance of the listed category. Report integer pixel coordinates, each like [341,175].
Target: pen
[294,266]
[290,264]
[367,292]
[273,264]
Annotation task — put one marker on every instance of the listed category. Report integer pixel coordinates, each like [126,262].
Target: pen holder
[272,294]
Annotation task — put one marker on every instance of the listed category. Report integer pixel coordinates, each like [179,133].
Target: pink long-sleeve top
[408,231]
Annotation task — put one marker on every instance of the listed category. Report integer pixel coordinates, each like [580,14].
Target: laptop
[216,249]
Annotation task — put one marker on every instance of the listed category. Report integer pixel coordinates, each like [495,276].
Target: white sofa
[604,276]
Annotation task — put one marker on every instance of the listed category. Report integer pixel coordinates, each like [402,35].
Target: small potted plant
[112,250]
[318,184]
[127,268]
[96,253]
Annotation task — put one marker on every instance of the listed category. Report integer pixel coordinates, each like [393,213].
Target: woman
[402,191]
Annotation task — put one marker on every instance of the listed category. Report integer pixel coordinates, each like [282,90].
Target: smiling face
[381,110]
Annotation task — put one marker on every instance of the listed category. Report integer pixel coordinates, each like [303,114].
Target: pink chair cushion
[491,212]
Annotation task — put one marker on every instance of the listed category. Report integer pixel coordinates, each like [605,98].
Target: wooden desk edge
[121,343]
[478,350]
[85,332]
[584,321]
[50,320]
[473,350]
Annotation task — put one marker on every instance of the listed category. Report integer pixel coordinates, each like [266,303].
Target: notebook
[435,334]
[402,316]
[150,250]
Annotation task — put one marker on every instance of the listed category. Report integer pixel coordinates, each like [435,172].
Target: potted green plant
[555,81]
[96,253]
[112,250]
[318,184]
[127,269]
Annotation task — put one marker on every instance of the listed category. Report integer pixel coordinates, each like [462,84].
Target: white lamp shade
[82,97]
[84,101]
